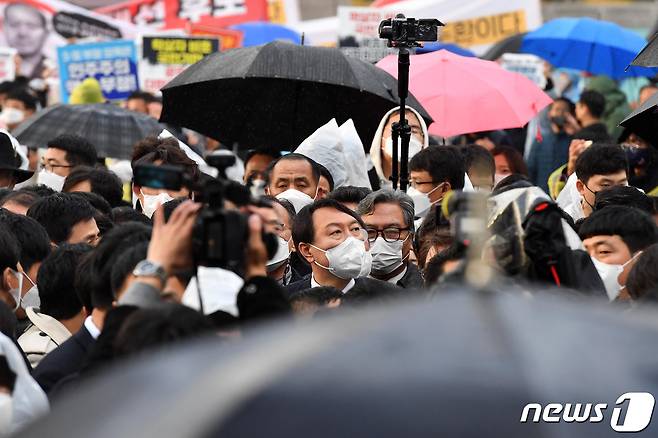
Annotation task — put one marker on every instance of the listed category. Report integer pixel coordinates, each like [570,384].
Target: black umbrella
[648,56]
[510,44]
[112,129]
[463,364]
[278,94]
[643,121]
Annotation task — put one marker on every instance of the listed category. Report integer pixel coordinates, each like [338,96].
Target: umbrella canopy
[595,46]
[643,121]
[262,32]
[468,94]
[510,44]
[279,94]
[462,364]
[433,47]
[112,129]
[648,57]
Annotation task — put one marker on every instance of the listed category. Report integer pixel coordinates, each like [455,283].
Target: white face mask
[50,179]
[386,256]
[31,297]
[610,277]
[281,256]
[16,292]
[421,200]
[499,177]
[152,202]
[6,412]
[415,146]
[12,116]
[348,260]
[298,199]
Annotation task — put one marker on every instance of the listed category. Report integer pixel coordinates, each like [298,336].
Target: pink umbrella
[469,94]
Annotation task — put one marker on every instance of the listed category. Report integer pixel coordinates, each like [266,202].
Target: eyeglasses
[52,167]
[390,235]
[415,184]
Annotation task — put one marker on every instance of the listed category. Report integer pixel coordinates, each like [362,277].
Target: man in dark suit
[389,219]
[333,240]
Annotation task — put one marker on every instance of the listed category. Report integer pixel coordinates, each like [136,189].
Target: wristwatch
[147,268]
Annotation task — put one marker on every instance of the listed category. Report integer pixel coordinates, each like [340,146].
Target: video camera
[220,234]
[408,32]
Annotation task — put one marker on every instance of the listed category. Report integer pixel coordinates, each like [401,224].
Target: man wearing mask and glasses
[62,155]
[389,219]
[334,241]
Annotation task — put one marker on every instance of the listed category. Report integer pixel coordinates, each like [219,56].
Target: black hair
[119,239]
[142,95]
[265,302]
[569,102]
[126,214]
[434,268]
[636,228]
[8,323]
[268,152]
[594,101]
[102,182]
[59,213]
[158,327]
[10,253]
[29,100]
[303,229]
[601,159]
[79,151]
[7,86]
[21,197]
[317,295]
[124,265]
[165,150]
[84,281]
[349,194]
[32,238]
[315,167]
[56,281]
[97,201]
[642,282]
[40,190]
[290,209]
[325,172]
[443,163]
[478,158]
[625,196]
[4,192]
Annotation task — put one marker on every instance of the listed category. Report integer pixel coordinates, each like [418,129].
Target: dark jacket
[64,360]
[412,278]
[364,288]
[546,156]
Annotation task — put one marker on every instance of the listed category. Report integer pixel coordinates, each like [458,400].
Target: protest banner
[112,63]
[530,66]
[35,28]
[143,13]
[476,24]
[7,64]
[228,39]
[163,58]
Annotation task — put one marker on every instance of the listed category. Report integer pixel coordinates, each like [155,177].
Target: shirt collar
[398,277]
[349,285]
[91,328]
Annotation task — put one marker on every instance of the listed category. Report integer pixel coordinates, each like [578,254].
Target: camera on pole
[405,33]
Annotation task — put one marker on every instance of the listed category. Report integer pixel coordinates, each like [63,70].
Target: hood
[375,147]
[614,97]
[88,91]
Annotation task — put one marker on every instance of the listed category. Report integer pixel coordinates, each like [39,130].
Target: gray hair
[386,196]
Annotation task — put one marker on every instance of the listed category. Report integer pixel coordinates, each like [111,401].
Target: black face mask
[559,121]
[636,156]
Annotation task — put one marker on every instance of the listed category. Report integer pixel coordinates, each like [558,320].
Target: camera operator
[170,250]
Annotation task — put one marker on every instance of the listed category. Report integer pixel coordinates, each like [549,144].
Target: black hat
[11,160]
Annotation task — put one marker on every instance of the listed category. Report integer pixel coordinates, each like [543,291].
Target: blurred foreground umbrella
[644,120]
[469,94]
[510,44]
[595,46]
[113,130]
[279,94]
[463,364]
[262,32]
[648,57]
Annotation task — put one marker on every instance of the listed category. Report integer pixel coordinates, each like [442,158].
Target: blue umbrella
[595,46]
[434,47]
[262,32]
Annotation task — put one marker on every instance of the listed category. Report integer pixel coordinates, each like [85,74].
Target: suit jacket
[64,360]
[364,289]
[412,278]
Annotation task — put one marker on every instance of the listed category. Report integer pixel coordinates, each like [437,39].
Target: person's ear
[136,189]
[580,186]
[305,251]
[321,194]
[446,188]
[8,279]
[267,190]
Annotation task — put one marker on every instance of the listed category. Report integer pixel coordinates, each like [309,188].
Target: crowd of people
[95,268]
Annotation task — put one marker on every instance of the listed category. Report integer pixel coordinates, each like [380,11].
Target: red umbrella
[465,94]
